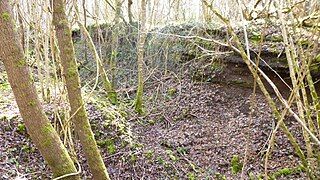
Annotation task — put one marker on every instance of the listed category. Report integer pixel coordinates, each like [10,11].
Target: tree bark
[206,13]
[78,112]
[141,41]
[130,16]
[177,10]
[115,44]
[39,127]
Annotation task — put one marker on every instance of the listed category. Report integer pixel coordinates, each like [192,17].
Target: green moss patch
[5,16]
[236,164]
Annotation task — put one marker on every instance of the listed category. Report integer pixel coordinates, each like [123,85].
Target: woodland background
[150,89]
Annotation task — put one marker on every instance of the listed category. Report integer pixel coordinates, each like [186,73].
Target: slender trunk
[154,17]
[39,127]
[292,69]
[206,13]
[130,11]
[111,93]
[115,42]
[39,64]
[47,67]
[141,41]
[78,112]
[130,16]
[85,24]
[46,48]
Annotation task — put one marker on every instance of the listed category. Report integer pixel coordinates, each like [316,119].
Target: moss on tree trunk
[78,112]
[39,128]
[142,38]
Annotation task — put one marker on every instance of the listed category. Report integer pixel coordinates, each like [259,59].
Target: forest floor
[195,127]
[196,132]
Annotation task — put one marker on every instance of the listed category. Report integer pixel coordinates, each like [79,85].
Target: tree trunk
[111,93]
[78,112]
[115,42]
[142,37]
[130,11]
[85,24]
[177,10]
[39,127]
[206,14]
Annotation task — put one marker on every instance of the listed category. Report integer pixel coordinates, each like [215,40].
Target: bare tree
[206,13]
[115,41]
[130,15]
[78,112]
[141,42]
[39,127]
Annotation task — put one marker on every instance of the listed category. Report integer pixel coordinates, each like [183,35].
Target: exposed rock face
[219,63]
[174,46]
